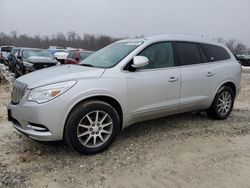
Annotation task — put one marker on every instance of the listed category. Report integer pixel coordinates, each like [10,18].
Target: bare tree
[71,39]
[235,46]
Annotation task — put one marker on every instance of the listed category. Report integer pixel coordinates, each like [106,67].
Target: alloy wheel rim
[224,103]
[94,129]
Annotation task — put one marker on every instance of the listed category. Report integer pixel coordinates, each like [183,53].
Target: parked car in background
[31,59]
[244,60]
[54,49]
[126,82]
[4,53]
[13,58]
[76,56]
[61,55]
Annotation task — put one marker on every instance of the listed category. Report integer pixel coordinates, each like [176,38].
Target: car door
[154,90]
[198,76]
[70,59]
[76,58]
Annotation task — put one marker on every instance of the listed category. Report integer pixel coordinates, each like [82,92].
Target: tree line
[71,39]
[87,41]
[235,46]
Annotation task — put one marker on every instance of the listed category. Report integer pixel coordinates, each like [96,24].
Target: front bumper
[43,122]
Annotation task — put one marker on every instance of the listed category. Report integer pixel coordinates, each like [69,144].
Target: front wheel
[223,103]
[92,126]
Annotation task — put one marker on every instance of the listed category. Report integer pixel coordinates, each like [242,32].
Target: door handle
[172,79]
[209,74]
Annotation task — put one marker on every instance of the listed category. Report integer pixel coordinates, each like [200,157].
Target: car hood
[40,60]
[59,74]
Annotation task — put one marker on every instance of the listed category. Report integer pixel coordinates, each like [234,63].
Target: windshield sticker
[134,43]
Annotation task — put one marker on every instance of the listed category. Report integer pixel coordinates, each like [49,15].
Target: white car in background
[61,55]
[5,53]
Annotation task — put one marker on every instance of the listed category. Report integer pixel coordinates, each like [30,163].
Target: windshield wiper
[85,64]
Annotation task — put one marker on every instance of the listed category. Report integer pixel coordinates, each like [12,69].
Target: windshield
[111,55]
[37,54]
[6,49]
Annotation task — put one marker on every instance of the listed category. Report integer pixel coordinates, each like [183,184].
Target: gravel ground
[187,150]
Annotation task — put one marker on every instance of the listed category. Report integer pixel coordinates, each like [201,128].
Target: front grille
[18,91]
[43,65]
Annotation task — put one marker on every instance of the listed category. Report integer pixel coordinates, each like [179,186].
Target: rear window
[189,53]
[215,53]
[6,49]
[84,55]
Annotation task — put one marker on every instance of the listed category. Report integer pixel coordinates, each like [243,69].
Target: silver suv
[126,82]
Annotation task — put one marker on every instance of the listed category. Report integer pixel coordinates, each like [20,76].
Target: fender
[221,84]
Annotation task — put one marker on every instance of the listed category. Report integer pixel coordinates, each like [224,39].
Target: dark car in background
[244,60]
[75,56]
[13,58]
[4,54]
[31,59]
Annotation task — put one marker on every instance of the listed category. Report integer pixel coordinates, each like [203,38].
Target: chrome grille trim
[18,91]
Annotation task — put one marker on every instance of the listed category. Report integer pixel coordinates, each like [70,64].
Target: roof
[7,46]
[187,38]
[26,48]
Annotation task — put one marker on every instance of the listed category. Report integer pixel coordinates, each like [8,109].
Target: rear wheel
[223,103]
[92,127]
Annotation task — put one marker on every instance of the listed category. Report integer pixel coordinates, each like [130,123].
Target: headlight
[46,93]
[27,64]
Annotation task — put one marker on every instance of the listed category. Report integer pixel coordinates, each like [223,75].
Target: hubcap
[224,103]
[94,129]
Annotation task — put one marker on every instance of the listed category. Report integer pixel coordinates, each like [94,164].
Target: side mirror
[77,59]
[140,61]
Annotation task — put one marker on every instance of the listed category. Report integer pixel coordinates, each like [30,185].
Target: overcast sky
[128,18]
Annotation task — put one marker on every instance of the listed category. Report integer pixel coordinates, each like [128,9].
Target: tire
[84,131]
[221,110]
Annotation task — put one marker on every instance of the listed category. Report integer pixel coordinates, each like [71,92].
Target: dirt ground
[188,150]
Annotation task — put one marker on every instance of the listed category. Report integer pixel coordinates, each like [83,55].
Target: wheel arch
[108,99]
[230,84]
[211,110]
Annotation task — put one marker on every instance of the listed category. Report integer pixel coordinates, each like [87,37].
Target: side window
[203,55]
[75,55]
[15,51]
[71,55]
[18,52]
[160,55]
[189,53]
[215,53]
